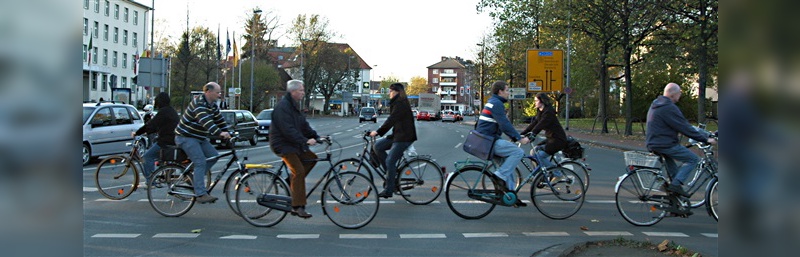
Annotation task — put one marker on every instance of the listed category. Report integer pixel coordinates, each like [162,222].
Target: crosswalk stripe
[714,235]
[412,236]
[116,235]
[474,235]
[176,235]
[670,234]
[299,236]
[109,200]
[607,233]
[239,237]
[89,189]
[545,233]
[362,236]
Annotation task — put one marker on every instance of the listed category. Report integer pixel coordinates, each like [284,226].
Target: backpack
[574,149]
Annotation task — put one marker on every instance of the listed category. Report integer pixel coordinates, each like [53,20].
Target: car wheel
[254,140]
[87,154]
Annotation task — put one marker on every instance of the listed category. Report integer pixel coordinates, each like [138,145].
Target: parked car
[459,116]
[368,113]
[423,115]
[107,129]
[241,121]
[414,112]
[264,119]
[448,116]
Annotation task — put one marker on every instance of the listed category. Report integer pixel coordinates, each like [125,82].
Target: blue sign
[545,53]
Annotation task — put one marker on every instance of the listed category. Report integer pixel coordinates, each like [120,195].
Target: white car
[107,127]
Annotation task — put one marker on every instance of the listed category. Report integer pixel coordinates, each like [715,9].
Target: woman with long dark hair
[401,121]
[547,120]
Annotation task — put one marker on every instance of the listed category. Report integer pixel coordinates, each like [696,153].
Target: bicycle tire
[170,191]
[634,197]
[353,199]
[458,186]
[699,191]
[580,169]
[712,197]
[230,189]
[250,188]
[420,181]
[357,165]
[558,197]
[116,177]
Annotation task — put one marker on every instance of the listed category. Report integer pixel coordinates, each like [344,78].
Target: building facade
[117,32]
[448,78]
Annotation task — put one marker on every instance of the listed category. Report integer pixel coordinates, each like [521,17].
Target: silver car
[107,128]
[449,116]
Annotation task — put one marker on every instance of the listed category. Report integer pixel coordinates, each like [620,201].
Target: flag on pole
[89,51]
[219,46]
[235,51]
[228,44]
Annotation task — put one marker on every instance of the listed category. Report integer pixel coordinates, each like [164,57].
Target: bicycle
[420,180]
[470,195]
[117,176]
[572,159]
[348,198]
[170,191]
[641,195]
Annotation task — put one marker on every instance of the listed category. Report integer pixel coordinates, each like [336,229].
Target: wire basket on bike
[641,159]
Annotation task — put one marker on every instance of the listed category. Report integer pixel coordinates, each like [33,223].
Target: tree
[334,72]
[311,32]
[418,85]
[259,29]
[195,63]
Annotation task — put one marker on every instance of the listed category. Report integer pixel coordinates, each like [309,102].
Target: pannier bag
[479,145]
[173,153]
[574,149]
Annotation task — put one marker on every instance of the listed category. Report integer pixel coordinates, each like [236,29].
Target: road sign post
[545,70]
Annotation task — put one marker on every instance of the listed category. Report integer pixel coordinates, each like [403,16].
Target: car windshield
[367,111]
[87,112]
[264,115]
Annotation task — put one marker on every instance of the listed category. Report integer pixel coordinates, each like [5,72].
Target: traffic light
[366,84]
[477,95]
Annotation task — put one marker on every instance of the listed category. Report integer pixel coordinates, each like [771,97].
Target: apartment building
[448,79]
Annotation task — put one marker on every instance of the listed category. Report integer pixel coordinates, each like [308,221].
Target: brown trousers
[300,170]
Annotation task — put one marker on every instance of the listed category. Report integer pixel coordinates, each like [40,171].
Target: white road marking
[601,201]
[670,234]
[362,236]
[109,200]
[459,144]
[176,235]
[89,189]
[545,233]
[116,235]
[337,133]
[607,233]
[239,237]
[714,235]
[474,235]
[299,236]
[412,236]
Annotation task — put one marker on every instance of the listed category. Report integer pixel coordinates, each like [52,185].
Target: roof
[447,63]
[293,60]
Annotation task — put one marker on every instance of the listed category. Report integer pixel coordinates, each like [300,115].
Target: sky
[396,38]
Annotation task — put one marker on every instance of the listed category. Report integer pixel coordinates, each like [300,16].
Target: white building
[118,32]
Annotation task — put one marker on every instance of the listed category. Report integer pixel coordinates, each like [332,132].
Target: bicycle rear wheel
[353,164]
[579,169]
[558,197]
[255,185]
[640,197]
[116,177]
[170,191]
[463,187]
[712,195]
[349,199]
[420,181]
[230,189]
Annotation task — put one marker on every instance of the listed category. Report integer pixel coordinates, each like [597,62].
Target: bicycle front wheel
[170,191]
[638,195]
[116,177]
[464,190]
[420,181]
[349,199]
[579,169]
[712,198]
[558,197]
[257,185]
[230,189]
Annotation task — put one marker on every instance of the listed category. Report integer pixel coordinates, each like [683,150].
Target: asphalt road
[131,228]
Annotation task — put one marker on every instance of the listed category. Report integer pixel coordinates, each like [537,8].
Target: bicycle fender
[619,181]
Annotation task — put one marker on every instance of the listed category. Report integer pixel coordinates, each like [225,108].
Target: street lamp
[253,53]
[480,79]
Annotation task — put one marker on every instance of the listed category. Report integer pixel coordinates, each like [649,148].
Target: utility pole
[480,79]
[253,53]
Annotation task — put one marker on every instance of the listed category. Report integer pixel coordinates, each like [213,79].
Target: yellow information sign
[545,70]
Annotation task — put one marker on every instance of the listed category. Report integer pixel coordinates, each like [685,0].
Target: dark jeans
[390,163]
[198,151]
[300,170]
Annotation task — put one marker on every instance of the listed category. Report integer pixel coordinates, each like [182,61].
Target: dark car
[264,119]
[368,113]
[423,115]
[241,121]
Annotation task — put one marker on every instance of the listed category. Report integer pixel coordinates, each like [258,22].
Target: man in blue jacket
[493,121]
[664,122]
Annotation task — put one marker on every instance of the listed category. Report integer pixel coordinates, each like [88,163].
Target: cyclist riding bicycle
[547,120]
[664,122]
[164,124]
[401,122]
[493,121]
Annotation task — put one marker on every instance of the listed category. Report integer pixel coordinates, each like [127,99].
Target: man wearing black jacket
[289,137]
[164,124]
[404,133]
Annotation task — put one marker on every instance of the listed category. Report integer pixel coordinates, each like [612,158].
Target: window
[105,57]
[96,27]
[135,39]
[97,6]
[122,115]
[116,11]
[114,59]
[124,82]
[105,10]
[125,15]
[435,71]
[124,60]
[102,117]
[135,17]
[103,84]
[94,57]
[85,26]
[85,51]
[116,34]
[435,80]
[448,71]
[125,37]
[86,4]
[105,32]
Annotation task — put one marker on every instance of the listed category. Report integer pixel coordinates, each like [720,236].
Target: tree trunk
[628,92]
[602,110]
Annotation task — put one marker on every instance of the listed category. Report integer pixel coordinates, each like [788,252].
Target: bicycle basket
[642,159]
[574,149]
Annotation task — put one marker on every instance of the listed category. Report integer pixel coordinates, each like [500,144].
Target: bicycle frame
[215,181]
[366,157]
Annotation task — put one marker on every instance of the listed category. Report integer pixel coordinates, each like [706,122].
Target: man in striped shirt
[200,121]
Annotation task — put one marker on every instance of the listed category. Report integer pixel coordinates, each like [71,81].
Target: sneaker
[501,184]
[206,198]
[519,203]
[385,194]
[301,212]
[675,188]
